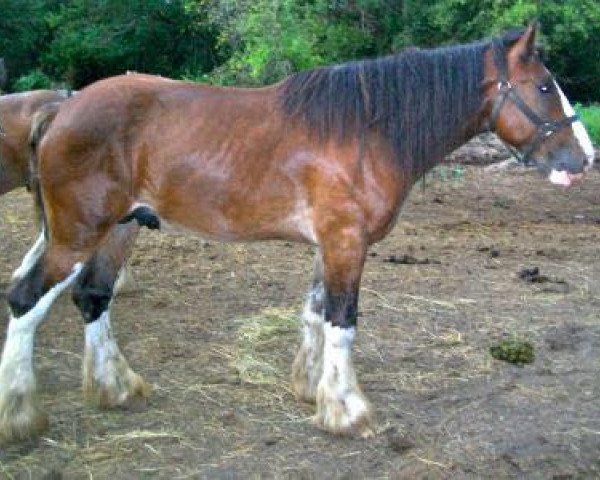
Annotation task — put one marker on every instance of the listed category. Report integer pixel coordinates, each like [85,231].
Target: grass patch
[590,115]
[259,338]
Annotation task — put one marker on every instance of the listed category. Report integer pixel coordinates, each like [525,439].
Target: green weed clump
[518,352]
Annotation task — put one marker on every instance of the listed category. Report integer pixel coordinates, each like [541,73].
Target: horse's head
[529,111]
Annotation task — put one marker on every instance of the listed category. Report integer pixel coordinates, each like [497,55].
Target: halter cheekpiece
[506,91]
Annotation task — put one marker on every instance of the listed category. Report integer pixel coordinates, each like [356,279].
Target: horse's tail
[39,125]
[40,122]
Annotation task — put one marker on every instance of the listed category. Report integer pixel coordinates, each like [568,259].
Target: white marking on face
[16,367]
[31,257]
[578,128]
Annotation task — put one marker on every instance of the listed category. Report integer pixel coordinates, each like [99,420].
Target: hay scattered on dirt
[257,338]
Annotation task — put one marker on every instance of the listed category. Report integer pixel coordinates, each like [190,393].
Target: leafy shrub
[33,80]
[591,118]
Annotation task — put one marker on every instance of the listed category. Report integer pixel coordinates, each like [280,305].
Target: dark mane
[418,100]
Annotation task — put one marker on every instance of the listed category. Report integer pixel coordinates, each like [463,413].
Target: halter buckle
[504,85]
[547,129]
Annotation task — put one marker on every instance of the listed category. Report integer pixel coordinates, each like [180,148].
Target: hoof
[119,387]
[130,394]
[350,415]
[21,418]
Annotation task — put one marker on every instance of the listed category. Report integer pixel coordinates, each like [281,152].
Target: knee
[90,296]
[26,292]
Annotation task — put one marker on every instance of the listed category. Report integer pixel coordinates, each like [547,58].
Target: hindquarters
[84,176]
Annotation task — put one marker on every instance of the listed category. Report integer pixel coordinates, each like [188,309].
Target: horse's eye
[545,88]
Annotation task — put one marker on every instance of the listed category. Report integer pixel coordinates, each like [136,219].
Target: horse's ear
[526,43]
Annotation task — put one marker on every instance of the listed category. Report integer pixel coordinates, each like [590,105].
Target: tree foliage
[23,34]
[79,41]
[96,39]
[253,42]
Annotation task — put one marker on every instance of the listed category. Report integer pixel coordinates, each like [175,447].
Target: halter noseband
[506,91]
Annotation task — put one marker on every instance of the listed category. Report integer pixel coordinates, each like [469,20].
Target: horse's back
[119,104]
[15,106]
[17,112]
[157,113]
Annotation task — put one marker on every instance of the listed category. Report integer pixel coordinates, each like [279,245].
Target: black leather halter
[506,91]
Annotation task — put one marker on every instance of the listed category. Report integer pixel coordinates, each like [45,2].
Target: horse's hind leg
[36,251]
[29,299]
[308,365]
[108,381]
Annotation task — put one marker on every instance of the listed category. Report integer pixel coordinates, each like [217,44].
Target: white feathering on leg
[341,406]
[107,378]
[18,348]
[308,365]
[20,415]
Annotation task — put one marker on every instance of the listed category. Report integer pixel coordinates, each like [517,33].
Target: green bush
[36,79]
[93,40]
[590,116]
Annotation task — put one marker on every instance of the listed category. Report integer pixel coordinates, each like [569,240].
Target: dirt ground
[212,327]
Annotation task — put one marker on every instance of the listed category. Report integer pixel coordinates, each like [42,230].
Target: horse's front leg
[341,406]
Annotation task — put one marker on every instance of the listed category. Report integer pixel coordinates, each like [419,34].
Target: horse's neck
[464,132]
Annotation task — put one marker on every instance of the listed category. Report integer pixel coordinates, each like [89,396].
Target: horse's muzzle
[564,178]
[564,168]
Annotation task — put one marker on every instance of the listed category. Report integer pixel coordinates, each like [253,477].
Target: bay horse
[325,157]
[20,113]
[24,117]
